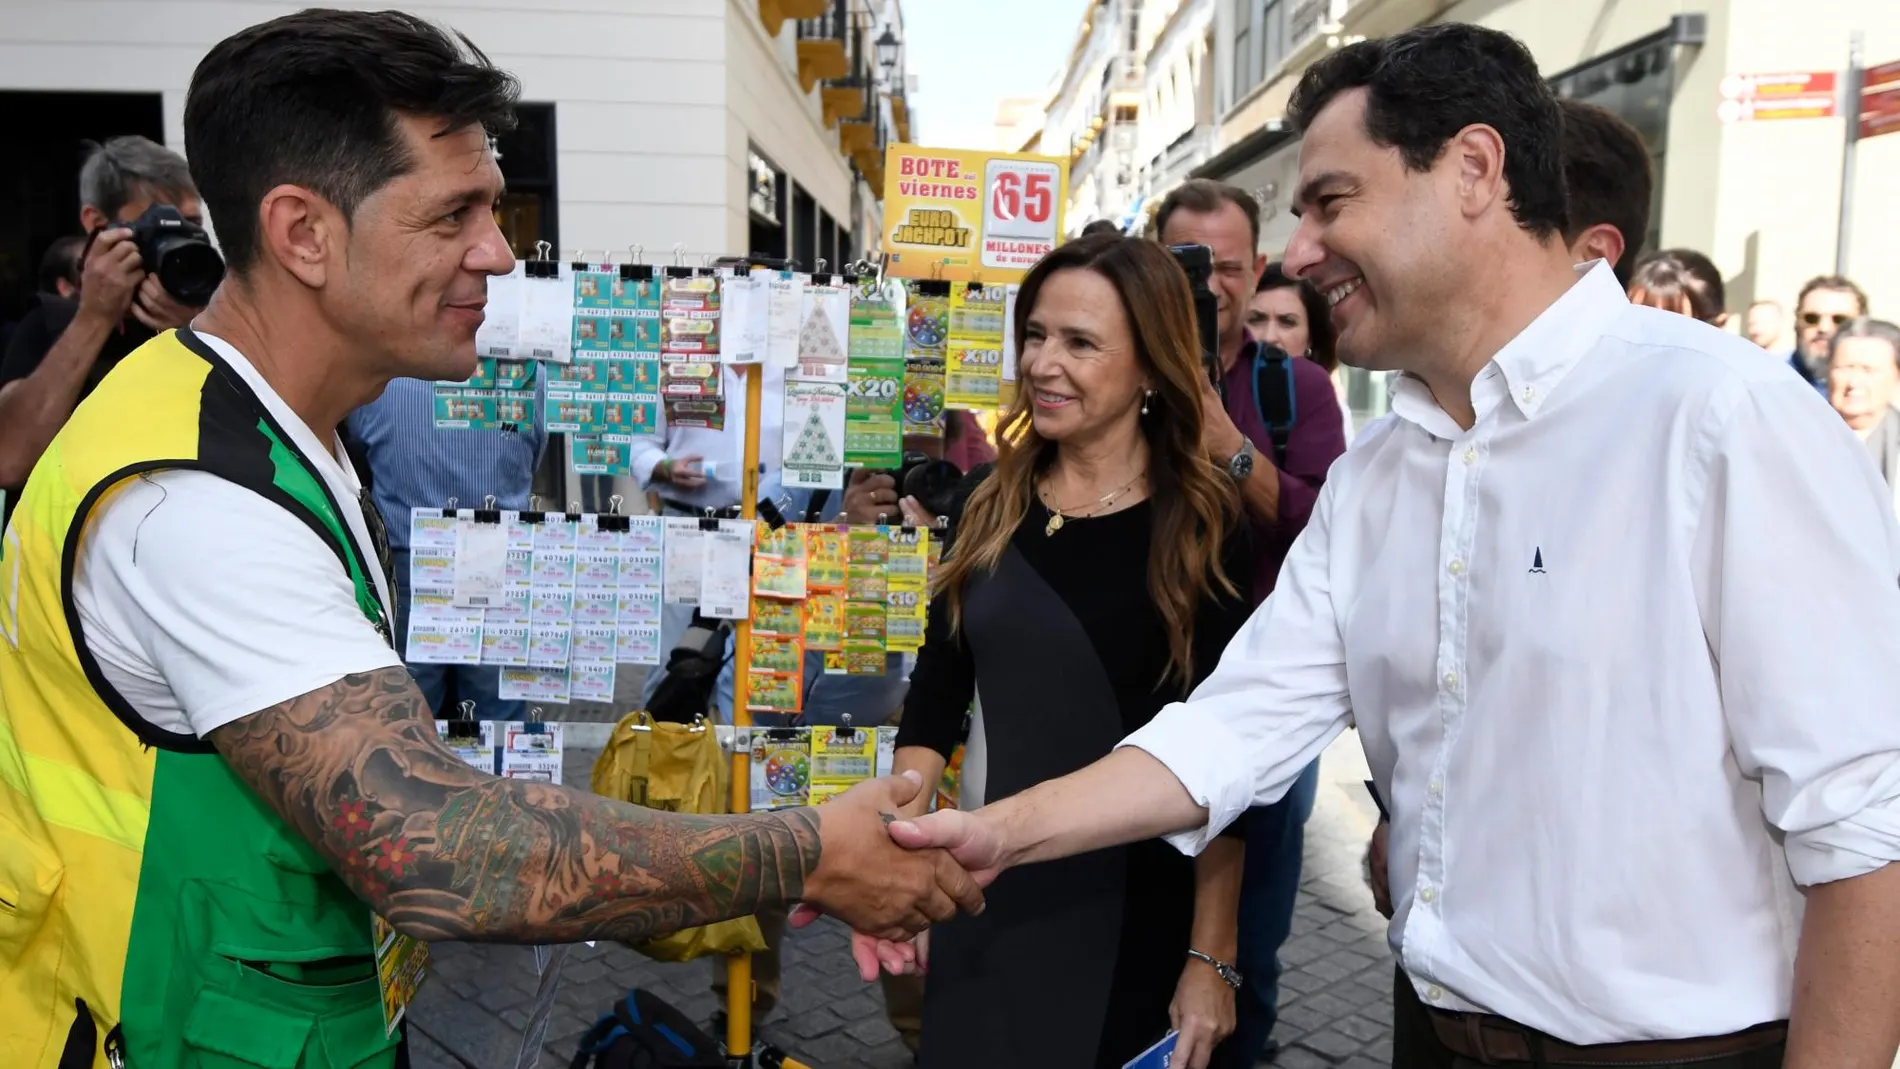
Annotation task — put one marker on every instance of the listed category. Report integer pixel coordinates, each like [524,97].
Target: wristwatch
[1240,465]
[1228,974]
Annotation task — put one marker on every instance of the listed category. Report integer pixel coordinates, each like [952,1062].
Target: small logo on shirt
[1537,561]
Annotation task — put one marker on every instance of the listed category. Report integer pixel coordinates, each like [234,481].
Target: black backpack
[644,1032]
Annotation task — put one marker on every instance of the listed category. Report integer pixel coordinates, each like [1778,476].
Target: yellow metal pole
[739,966]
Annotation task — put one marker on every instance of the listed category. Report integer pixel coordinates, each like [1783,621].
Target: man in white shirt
[198,696]
[1645,779]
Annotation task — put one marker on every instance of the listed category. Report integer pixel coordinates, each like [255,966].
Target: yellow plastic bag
[678,768]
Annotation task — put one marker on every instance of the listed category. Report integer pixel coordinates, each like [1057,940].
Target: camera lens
[189,268]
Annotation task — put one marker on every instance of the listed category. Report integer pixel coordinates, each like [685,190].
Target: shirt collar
[1544,352]
[1529,367]
[329,458]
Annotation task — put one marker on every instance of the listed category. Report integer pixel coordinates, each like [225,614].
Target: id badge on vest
[401,963]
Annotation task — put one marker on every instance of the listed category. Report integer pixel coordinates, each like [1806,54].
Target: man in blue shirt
[414,464]
[1826,304]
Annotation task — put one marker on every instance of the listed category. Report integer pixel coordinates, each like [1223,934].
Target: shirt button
[1434,789]
[1434,993]
[1456,567]
[1451,681]
[1530,393]
[1471,455]
[1427,895]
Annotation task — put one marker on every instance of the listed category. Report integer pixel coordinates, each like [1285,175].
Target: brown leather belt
[1490,1040]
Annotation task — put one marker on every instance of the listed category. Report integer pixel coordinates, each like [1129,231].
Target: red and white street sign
[1874,77]
[1880,104]
[1880,112]
[1785,95]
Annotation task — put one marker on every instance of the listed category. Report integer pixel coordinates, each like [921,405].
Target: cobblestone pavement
[1335,994]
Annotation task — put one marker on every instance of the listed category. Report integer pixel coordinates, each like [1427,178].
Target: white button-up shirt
[1625,659]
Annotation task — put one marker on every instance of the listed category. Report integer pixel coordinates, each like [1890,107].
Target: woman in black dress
[1092,580]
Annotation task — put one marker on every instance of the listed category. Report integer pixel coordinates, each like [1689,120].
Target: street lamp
[887,45]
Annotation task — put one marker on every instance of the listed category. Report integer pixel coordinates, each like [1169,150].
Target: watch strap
[1228,974]
[1241,464]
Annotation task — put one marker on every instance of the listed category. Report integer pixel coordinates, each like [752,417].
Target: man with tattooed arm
[213,766]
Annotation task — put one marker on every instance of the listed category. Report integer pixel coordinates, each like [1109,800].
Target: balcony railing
[821,47]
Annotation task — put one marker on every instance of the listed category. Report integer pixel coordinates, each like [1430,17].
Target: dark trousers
[1416,1046]
[1276,839]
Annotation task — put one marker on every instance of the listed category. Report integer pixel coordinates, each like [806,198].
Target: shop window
[1634,83]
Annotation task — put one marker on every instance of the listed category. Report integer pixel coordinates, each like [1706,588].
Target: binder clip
[448,511]
[636,270]
[574,513]
[710,521]
[536,725]
[820,277]
[541,266]
[844,732]
[488,513]
[612,520]
[464,725]
[770,513]
[533,514]
[679,268]
[975,290]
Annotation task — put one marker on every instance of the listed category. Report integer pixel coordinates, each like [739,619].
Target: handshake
[890,878]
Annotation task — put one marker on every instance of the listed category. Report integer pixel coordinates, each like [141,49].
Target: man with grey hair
[1863,382]
[65,345]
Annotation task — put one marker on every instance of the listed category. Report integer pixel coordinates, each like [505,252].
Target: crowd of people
[1641,786]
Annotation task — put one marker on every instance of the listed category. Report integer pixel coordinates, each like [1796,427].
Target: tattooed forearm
[445,852]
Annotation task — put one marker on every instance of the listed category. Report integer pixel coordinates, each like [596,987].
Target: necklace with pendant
[1058,516]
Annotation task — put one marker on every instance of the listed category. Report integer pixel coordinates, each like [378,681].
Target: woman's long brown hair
[1193,502]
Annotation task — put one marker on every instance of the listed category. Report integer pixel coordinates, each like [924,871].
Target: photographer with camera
[146,269]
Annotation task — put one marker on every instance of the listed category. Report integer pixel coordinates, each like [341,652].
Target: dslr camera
[179,252]
[1198,262]
[932,482]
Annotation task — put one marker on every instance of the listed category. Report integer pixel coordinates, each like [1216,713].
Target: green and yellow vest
[153,911]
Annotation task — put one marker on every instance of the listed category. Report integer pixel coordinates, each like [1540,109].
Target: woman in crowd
[1680,280]
[1292,316]
[1093,578]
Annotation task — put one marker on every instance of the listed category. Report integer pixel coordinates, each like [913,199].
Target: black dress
[1074,962]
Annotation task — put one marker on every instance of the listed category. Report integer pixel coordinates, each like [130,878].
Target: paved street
[1336,1001]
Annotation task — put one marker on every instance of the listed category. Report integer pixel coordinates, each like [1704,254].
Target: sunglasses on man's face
[1813,319]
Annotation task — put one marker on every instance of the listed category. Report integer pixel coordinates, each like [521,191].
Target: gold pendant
[1054,524]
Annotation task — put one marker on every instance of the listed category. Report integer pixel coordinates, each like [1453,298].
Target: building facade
[1761,198]
[713,126]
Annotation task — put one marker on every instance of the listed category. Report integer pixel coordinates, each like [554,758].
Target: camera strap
[1273,397]
[815,508]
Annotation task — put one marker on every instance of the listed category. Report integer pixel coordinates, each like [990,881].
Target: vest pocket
[253,1020]
[29,874]
[276,981]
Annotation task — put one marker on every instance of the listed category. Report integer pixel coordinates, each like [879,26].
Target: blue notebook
[1159,1056]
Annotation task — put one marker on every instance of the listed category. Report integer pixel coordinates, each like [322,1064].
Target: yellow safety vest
[153,911]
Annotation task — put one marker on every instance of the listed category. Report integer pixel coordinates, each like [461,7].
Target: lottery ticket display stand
[607,353]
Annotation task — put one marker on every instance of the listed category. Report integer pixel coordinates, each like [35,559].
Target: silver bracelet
[1228,974]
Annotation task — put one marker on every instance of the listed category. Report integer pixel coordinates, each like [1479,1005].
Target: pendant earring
[1146,396]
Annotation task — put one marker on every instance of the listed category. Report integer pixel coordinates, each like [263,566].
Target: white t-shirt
[203,602]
